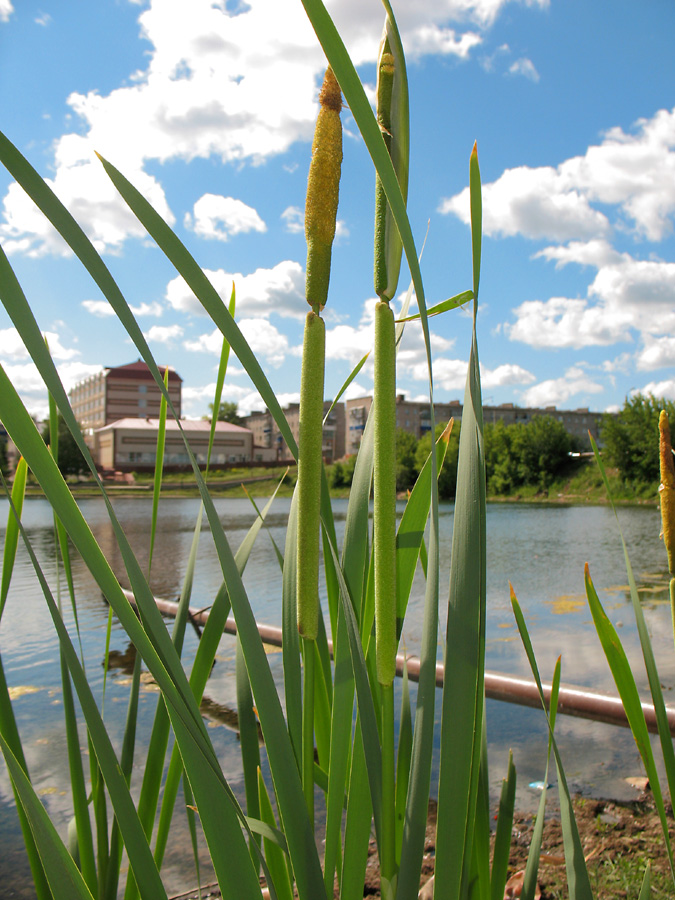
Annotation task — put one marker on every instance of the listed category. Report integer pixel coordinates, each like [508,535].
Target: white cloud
[634,172]
[6,10]
[83,187]
[280,291]
[450,374]
[351,343]
[506,374]
[262,337]
[28,382]
[103,309]
[595,253]
[657,353]
[557,391]
[566,322]
[238,85]
[147,309]
[163,334]
[100,308]
[534,203]
[294,219]
[12,347]
[626,296]
[659,389]
[44,19]
[435,39]
[217,217]
[524,67]
[196,399]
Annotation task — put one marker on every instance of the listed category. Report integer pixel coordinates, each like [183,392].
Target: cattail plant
[392,118]
[320,214]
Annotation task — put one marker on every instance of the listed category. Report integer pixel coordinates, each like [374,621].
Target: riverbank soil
[617,838]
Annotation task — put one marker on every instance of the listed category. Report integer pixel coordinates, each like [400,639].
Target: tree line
[537,453]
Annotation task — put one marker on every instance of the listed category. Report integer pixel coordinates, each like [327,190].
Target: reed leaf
[220,381]
[462,706]
[578,882]
[12,529]
[63,876]
[625,684]
[665,737]
[502,848]
[276,861]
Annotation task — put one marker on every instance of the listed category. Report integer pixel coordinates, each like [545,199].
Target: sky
[208,107]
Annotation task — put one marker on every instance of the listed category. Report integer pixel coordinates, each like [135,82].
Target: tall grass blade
[358,823]
[64,877]
[404,755]
[276,861]
[8,726]
[625,684]
[220,381]
[577,874]
[503,836]
[463,694]
[533,856]
[665,737]
[12,529]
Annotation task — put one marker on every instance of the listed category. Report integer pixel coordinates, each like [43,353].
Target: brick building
[118,392]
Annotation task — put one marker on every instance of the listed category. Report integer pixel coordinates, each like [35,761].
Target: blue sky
[209,108]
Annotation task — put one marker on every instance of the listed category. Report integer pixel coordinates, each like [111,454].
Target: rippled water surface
[541,550]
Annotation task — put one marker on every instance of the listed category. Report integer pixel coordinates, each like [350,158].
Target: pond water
[541,550]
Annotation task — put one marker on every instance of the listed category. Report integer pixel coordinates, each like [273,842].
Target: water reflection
[540,550]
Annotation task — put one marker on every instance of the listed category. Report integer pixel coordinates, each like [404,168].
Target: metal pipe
[572,700]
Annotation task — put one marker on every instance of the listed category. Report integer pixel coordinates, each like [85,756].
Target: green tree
[227,412]
[342,472]
[406,467]
[501,466]
[447,478]
[70,460]
[630,440]
[542,448]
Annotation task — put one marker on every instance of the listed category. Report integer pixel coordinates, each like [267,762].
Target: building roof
[132,370]
[189,426]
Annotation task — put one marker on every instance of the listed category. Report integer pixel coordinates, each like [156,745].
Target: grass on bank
[581,483]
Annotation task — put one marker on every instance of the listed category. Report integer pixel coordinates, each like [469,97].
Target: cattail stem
[388,845]
[308,727]
[384,552]
[309,474]
[384,491]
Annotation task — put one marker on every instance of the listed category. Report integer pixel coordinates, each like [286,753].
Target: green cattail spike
[392,117]
[667,490]
[323,186]
[309,474]
[384,492]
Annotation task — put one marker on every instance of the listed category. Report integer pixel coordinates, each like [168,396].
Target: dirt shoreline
[617,838]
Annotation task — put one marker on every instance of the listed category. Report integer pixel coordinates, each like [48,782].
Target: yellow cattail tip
[474,151]
[330,95]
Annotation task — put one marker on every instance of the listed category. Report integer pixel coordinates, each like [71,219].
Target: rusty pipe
[572,700]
